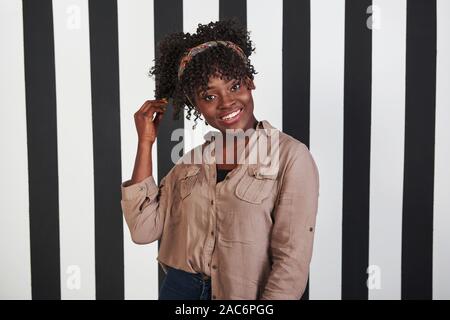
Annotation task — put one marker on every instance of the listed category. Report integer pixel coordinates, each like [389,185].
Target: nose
[227,101]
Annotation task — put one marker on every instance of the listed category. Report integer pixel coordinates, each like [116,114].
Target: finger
[155,110]
[159,106]
[150,110]
[156,104]
[160,101]
[158,119]
[146,103]
[153,102]
[160,114]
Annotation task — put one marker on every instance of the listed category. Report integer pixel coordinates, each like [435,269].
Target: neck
[234,146]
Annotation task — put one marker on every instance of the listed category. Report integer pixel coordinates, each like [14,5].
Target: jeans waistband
[198,275]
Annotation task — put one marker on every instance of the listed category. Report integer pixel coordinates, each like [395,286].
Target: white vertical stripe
[265,23]
[136,54]
[195,12]
[75,158]
[15,272]
[387,148]
[441,236]
[199,11]
[326,132]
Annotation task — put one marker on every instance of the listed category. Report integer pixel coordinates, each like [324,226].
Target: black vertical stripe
[417,235]
[233,9]
[168,15]
[356,176]
[296,72]
[42,148]
[296,68]
[109,264]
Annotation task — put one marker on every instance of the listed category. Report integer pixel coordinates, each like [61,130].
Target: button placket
[213,260]
[210,242]
[214,289]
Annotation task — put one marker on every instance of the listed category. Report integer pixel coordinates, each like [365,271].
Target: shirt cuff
[146,187]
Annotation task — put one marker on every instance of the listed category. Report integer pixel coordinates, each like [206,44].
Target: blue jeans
[182,285]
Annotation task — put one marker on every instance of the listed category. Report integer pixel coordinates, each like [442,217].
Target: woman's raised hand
[147,122]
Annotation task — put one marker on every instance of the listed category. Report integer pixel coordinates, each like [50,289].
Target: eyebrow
[211,88]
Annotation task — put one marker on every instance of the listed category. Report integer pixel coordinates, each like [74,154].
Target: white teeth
[231,115]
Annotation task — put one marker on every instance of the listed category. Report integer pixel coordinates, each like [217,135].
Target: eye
[208,97]
[236,86]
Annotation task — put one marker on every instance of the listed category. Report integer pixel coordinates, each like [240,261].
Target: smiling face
[227,104]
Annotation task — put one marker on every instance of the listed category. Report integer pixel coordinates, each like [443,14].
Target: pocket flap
[261,172]
[188,180]
[191,171]
[255,186]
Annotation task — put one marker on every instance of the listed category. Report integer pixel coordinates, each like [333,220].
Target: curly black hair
[218,60]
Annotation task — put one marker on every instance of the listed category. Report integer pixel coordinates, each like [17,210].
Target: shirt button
[214,297]
[212,202]
[214,266]
[208,264]
[212,233]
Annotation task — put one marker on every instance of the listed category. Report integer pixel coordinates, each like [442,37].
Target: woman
[230,228]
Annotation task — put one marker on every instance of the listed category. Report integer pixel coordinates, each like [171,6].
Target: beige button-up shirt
[252,233]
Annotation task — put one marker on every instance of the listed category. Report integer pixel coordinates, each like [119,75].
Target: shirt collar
[263,126]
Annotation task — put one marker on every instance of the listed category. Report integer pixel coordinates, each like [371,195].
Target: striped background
[358,81]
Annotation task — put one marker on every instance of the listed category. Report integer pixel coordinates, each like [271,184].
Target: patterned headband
[202,47]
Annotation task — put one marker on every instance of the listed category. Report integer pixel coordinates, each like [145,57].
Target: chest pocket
[255,185]
[188,181]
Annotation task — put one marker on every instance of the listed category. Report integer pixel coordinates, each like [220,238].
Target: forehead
[215,81]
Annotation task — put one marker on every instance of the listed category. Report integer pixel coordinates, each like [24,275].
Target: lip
[233,120]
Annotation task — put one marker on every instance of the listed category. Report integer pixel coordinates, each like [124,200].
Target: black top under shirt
[221,174]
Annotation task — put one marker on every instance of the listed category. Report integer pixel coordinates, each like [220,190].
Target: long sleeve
[144,206]
[292,234]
